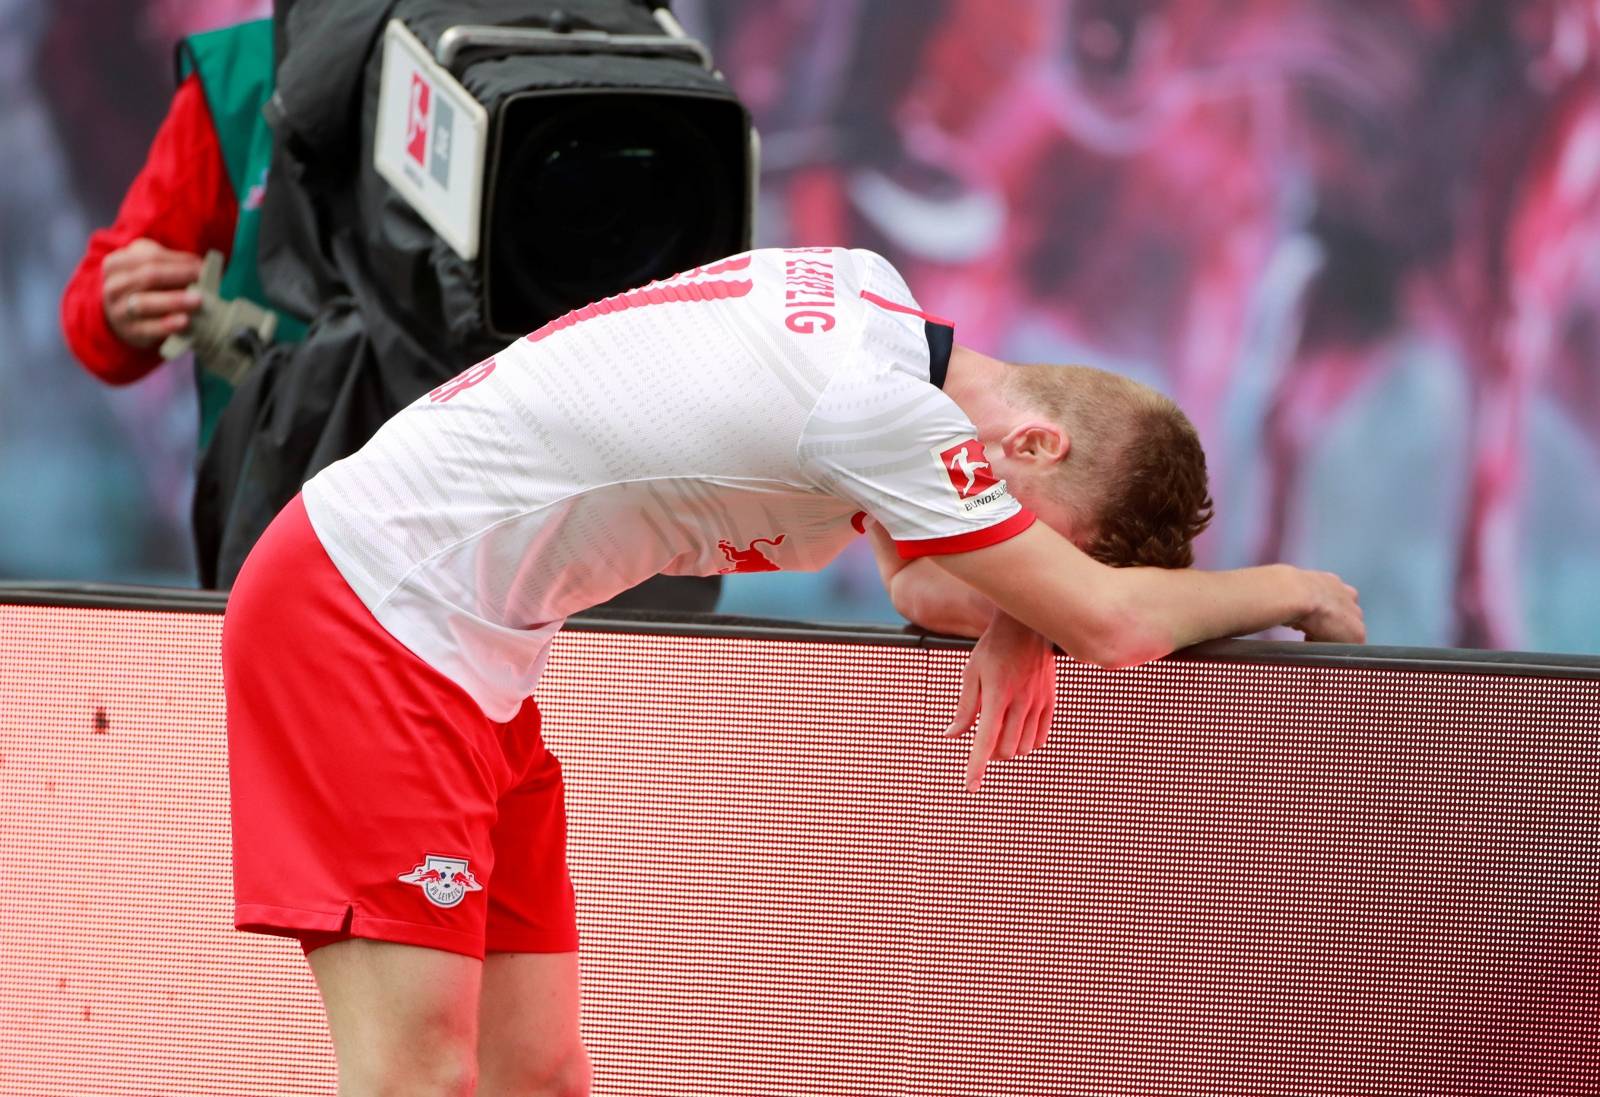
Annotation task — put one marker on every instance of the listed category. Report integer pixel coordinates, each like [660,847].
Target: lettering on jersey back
[461,382]
[808,290]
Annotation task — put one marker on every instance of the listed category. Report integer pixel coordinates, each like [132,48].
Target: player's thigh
[528,1037]
[400,1013]
[531,906]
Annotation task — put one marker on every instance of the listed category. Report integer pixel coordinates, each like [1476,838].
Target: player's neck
[975,382]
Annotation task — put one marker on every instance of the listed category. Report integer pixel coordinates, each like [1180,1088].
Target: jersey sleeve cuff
[967,542]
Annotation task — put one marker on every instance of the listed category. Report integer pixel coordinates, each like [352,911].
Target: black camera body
[609,152]
[591,145]
[448,175]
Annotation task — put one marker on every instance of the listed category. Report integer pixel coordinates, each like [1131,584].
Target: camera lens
[602,193]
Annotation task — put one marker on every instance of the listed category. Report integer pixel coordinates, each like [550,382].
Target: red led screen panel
[1217,877]
[122,974]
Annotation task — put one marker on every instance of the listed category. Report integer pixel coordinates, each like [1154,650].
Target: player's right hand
[144,289]
[1335,615]
[1009,688]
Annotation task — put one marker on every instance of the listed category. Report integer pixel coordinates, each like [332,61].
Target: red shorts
[371,796]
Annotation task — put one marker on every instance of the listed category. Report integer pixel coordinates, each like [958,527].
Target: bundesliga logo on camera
[429,123]
[417,121]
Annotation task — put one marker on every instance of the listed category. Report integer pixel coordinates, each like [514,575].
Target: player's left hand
[1009,686]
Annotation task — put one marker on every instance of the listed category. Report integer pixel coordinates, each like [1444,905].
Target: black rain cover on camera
[393,310]
[540,227]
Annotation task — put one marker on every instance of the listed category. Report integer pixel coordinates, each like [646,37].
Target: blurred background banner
[1358,240]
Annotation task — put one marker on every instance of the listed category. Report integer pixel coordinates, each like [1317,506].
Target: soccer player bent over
[394,806]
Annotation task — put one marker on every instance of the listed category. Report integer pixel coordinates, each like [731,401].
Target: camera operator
[200,191]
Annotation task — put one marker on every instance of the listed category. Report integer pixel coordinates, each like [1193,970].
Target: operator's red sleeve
[182,200]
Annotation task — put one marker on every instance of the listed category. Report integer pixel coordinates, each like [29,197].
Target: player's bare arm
[1108,616]
[1120,617]
[925,594]
[1116,617]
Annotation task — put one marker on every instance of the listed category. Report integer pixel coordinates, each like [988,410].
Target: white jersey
[743,416]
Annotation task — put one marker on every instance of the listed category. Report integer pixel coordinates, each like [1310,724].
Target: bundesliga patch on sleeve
[967,470]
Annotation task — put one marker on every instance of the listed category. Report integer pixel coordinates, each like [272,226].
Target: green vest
[235,67]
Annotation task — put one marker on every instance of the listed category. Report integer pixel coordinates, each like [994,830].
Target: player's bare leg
[528,1039]
[404,1019]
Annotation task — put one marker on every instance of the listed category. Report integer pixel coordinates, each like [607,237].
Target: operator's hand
[144,290]
[1009,685]
[1336,610]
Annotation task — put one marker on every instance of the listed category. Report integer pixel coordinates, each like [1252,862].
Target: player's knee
[538,1069]
[439,1062]
[444,1074]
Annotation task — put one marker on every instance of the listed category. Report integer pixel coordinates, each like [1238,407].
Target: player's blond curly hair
[1135,474]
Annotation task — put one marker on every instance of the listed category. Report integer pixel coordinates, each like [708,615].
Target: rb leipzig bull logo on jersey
[444,880]
[744,560]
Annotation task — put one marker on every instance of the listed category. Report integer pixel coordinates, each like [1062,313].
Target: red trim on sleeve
[182,200]
[884,302]
[967,542]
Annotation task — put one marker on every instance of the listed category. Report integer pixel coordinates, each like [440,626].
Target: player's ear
[1038,440]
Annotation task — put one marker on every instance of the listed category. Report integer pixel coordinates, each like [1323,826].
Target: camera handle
[672,41]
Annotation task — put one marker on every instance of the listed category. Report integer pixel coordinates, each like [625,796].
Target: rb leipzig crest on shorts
[444,880]
[967,468]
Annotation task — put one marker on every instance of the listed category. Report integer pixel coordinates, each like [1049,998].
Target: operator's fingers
[173,273]
[159,304]
[983,745]
[157,275]
[966,706]
[156,328]
[144,319]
